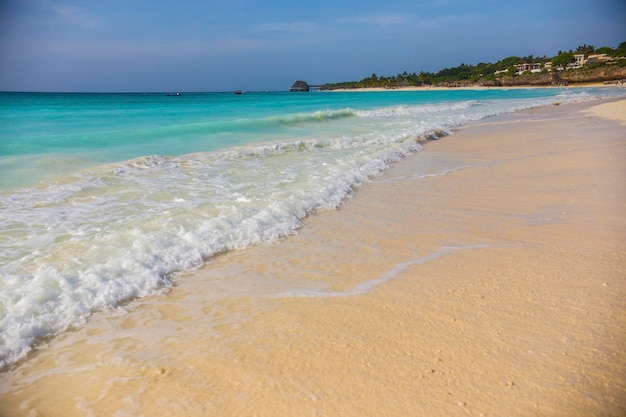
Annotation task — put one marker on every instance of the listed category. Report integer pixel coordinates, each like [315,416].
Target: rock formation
[299,86]
[570,77]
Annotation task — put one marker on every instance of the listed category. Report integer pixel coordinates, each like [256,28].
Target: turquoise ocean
[106,197]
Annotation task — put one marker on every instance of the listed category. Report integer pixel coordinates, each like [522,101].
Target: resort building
[580,61]
[594,58]
[533,67]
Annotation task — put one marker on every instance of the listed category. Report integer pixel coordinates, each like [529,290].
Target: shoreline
[480,276]
[473,88]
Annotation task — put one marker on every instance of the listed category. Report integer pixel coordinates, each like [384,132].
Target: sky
[225,45]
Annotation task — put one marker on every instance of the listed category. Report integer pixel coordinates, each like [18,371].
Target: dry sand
[483,277]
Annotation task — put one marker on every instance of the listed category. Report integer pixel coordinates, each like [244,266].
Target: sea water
[106,197]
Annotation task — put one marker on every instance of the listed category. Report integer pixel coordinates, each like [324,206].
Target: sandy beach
[468,87]
[483,276]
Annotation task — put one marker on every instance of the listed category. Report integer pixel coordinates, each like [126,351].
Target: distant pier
[303,87]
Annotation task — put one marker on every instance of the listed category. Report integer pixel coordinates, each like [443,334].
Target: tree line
[482,72]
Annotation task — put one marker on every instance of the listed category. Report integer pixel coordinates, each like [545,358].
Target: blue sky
[193,45]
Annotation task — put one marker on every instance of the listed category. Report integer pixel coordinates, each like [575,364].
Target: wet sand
[483,277]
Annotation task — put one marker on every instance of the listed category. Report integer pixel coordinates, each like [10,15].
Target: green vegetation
[485,73]
[563,59]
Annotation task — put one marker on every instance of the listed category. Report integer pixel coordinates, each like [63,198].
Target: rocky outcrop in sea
[299,86]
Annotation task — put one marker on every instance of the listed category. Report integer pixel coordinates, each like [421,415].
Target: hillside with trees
[603,64]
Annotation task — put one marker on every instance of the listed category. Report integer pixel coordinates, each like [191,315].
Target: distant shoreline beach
[476,88]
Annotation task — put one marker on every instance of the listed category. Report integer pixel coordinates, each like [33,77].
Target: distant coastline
[585,66]
[598,77]
[605,76]
[471,87]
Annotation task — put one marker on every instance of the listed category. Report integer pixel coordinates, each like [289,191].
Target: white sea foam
[118,232]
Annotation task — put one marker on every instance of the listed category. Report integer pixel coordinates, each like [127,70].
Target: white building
[533,67]
[580,61]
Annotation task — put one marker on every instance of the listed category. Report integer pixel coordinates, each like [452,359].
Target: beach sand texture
[483,277]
